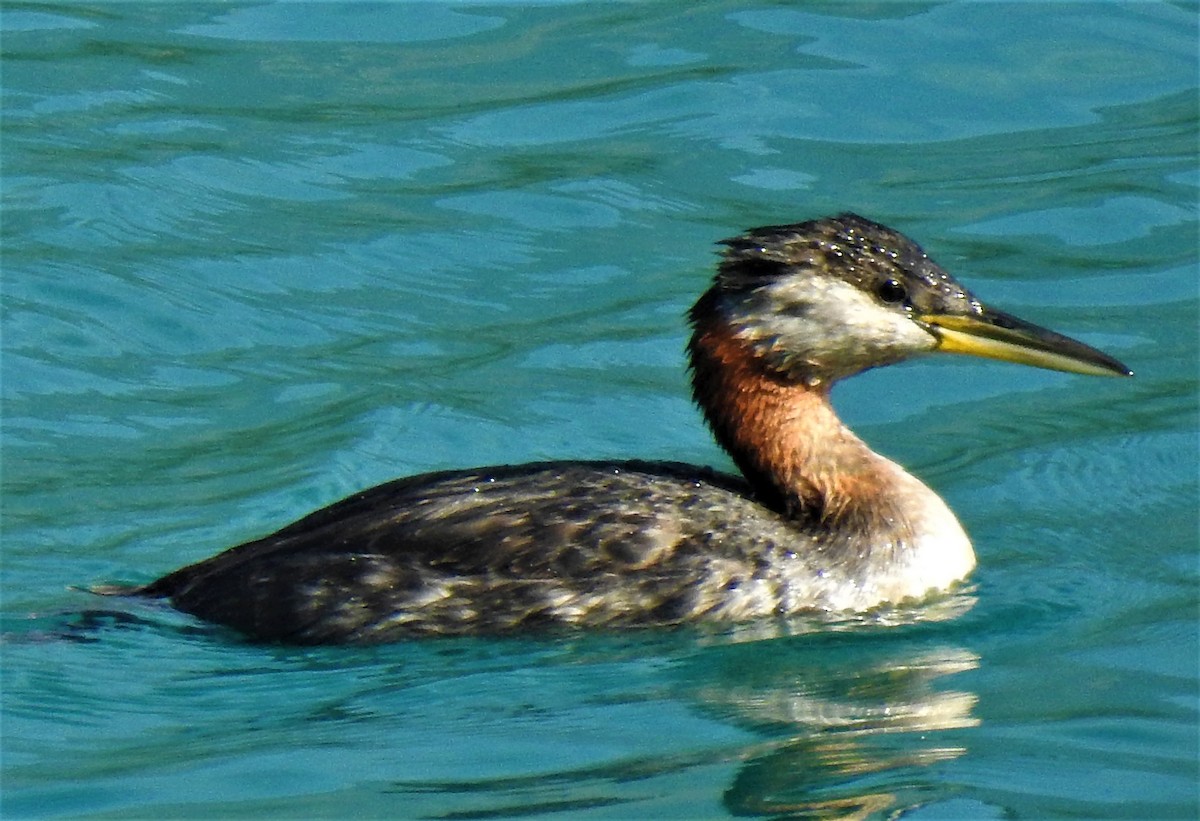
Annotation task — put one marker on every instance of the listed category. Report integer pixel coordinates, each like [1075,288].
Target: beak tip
[1119,369]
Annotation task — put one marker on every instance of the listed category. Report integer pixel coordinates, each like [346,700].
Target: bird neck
[786,439]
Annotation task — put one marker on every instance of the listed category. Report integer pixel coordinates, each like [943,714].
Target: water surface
[256,258]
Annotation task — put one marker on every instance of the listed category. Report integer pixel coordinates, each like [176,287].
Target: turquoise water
[256,257]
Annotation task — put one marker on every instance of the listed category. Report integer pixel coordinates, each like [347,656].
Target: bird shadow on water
[855,727]
[807,718]
[837,721]
[848,740]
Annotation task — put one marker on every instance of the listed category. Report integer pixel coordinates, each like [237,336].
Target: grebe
[817,522]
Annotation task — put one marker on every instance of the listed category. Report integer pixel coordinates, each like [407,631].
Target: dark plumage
[818,523]
[495,549]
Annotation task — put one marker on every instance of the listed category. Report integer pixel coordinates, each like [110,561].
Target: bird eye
[891,291]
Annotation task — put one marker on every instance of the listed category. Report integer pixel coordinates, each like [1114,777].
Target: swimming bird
[817,521]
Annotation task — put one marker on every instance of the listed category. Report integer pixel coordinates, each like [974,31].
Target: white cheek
[827,324]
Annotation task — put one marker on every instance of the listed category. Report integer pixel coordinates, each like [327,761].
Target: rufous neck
[784,436]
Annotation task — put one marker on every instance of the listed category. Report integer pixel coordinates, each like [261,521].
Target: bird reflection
[842,724]
[856,733]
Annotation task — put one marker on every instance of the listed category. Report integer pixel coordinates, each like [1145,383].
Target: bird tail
[120,590]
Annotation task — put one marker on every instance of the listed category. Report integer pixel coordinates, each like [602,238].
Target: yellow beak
[997,335]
